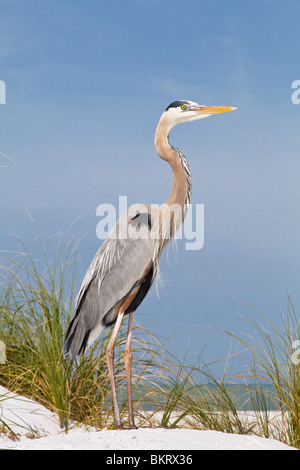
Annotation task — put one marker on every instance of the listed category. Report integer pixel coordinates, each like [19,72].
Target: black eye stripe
[177,104]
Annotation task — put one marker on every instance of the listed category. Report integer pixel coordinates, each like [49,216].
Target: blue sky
[86,83]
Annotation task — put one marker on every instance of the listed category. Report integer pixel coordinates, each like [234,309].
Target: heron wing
[120,263]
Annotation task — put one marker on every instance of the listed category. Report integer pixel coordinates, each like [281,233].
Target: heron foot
[121,427]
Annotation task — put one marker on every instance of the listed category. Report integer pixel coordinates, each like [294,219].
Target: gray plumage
[115,270]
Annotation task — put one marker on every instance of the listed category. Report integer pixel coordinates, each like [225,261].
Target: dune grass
[36,304]
[276,361]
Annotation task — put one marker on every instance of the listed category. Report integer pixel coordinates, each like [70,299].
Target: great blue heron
[126,264]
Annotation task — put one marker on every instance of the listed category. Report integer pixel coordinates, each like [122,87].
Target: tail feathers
[76,339]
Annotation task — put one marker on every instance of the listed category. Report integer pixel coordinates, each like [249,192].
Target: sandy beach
[38,428]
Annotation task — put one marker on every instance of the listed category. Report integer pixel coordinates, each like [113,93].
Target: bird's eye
[183,107]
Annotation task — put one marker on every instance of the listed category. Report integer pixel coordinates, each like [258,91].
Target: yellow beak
[213,109]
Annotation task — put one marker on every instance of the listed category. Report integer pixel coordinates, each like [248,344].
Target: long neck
[181,189]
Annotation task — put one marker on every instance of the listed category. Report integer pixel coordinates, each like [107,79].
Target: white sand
[27,418]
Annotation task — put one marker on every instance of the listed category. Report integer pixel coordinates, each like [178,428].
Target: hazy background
[86,83]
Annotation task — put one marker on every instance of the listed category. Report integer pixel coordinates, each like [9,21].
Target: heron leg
[128,361]
[110,363]
[110,356]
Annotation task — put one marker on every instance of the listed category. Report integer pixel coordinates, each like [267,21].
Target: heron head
[184,111]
